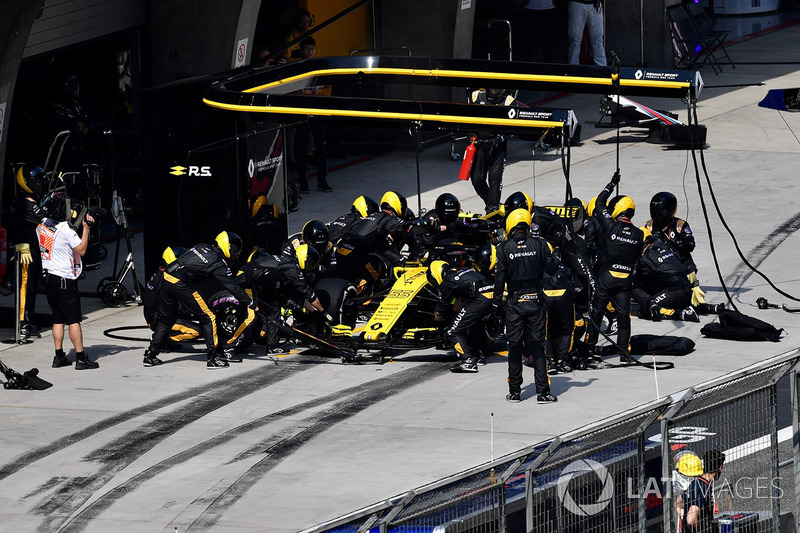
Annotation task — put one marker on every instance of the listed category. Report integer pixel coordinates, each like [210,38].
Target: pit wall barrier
[619,475]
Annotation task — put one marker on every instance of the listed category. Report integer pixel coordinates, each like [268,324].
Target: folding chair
[689,47]
[704,24]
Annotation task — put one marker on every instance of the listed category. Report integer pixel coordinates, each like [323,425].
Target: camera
[59,206]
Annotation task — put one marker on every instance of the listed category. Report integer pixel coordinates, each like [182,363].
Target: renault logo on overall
[192,170]
[584,469]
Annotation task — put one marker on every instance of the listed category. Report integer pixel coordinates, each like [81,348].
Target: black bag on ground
[736,326]
[661,345]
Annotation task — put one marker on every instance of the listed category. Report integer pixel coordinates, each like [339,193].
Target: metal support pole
[793,388]
[419,185]
[666,473]
[773,437]
[642,485]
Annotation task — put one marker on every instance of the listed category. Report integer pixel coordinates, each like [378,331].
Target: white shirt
[57,244]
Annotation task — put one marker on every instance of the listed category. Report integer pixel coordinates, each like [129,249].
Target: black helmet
[517,200]
[447,207]
[485,259]
[365,205]
[577,214]
[307,258]
[663,207]
[230,245]
[31,179]
[394,202]
[315,234]
[408,214]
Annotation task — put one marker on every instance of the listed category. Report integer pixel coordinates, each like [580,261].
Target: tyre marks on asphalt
[32,456]
[61,509]
[363,397]
[121,452]
[762,250]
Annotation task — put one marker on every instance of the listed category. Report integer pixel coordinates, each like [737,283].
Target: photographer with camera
[61,249]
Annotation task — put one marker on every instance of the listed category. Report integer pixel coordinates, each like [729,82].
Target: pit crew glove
[698,296]
[25,257]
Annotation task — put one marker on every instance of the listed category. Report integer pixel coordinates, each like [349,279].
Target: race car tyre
[339,299]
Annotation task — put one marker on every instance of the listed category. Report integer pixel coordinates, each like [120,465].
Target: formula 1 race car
[404,318]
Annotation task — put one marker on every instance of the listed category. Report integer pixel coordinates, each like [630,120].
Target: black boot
[82,362]
[61,359]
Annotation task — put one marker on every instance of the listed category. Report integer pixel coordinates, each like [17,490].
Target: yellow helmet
[622,206]
[307,257]
[365,205]
[31,180]
[260,201]
[688,464]
[171,253]
[436,272]
[590,207]
[229,244]
[648,235]
[394,202]
[516,218]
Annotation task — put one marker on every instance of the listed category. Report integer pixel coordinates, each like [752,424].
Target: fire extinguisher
[3,253]
[466,163]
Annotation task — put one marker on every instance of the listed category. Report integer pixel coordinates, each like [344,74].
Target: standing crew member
[183,279]
[27,216]
[475,294]
[522,262]
[620,246]
[61,252]
[490,152]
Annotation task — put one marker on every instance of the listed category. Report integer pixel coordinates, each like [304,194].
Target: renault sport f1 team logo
[581,468]
[191,170]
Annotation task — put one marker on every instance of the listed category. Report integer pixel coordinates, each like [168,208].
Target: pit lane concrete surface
[280,444]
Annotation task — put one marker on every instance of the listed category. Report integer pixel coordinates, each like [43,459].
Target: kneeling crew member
[183,279]
[272,277]
[661,283]
[475,293]
[522,262]
[184,328]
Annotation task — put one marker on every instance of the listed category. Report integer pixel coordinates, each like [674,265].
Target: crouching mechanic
[61,251]
[661,286]
[475,294]
[184,328]
[522,262]
[276,280]
[182,280]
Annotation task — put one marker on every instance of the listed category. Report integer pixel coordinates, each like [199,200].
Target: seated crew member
[677,234]
[380,233]
[474,294]
[362,206]
[278,279]
[315,234]
[184,328]
[264,226]
[620,245]
[183,279]
[661,286]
